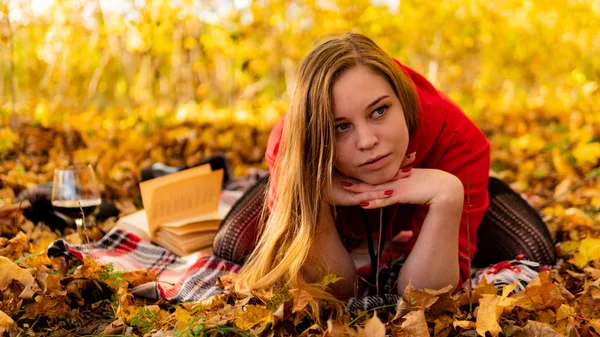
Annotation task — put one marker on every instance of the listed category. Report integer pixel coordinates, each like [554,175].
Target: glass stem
[79,224]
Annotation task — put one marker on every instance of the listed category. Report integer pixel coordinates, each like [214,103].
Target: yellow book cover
[182,211]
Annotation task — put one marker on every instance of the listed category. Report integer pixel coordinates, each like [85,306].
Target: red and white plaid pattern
[180,279]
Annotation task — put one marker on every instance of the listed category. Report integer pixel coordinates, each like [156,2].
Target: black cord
[374,267]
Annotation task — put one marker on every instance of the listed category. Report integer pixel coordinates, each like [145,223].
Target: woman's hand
[421,187]
[343,187]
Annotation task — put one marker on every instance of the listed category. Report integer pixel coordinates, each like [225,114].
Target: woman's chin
[376,178]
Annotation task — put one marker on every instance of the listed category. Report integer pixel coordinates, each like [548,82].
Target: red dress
[446,139]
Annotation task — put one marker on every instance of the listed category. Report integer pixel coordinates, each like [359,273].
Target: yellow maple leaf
[487,315]
[251,316]
[589,250]
[540,294]
[587,153]
[182,315]
[484,287]
[564,311]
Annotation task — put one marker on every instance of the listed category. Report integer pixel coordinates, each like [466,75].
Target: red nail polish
[346,184]
[388,192]
[406,169]
[364,204]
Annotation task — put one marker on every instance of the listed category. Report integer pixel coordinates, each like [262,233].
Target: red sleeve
[466,154]
[271,155]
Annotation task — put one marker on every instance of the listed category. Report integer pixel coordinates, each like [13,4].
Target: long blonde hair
[304,165]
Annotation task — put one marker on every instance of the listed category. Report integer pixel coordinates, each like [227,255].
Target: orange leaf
[413,325]
[538,329]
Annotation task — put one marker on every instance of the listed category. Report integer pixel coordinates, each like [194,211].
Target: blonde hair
[304,166]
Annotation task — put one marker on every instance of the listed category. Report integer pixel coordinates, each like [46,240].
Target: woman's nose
[367,138]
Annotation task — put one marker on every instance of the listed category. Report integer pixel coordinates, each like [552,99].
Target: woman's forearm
[433,261]
[329,249]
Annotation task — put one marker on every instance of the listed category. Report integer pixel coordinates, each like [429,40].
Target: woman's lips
[377,164]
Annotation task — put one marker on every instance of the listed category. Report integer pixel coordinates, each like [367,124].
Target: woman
[364,137]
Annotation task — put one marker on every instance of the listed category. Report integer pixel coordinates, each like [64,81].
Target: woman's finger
[358,187]
[377,203]
[364,199]
[403,173]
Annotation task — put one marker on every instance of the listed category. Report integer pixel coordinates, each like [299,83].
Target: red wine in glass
[73,208]
[75,193]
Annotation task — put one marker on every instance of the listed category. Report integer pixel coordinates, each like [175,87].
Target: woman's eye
[380,111]
[342,127]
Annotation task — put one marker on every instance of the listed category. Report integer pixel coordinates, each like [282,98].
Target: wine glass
[75,193]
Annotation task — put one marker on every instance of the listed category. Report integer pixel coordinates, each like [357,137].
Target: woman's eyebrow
[375,102]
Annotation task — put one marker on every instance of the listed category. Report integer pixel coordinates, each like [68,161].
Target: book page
[212,216]
[148,186]
[182,196]
[136,223]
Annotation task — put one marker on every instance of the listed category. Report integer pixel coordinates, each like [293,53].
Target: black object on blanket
[41,208]
[216,161]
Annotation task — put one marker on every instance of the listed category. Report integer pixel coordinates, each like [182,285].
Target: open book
[182,211]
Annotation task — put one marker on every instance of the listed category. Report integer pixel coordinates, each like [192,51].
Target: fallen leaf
[587,153]
[330,279]
[443,326]
[592,272]
[546,316]
[12,272]
[253,316]
[467,325]
[484,287]
[540,294]
[116,327]
[15,247]
[414,299]
[595,324]
[50,306]
[182,315]
[301,299]
[505,302]
[283,312]
[5,321]
[539,329]
[374,327]
[561,163]
[338,329]
[413,325]
[226,281]
[564,311]
[488,314]
[589,250]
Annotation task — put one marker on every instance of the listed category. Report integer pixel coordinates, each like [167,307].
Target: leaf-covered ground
[551,161]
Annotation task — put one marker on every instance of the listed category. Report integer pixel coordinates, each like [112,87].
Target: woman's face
[371,132]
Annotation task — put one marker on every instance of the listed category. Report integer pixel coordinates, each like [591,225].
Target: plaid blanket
[193,278]
[180,279]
